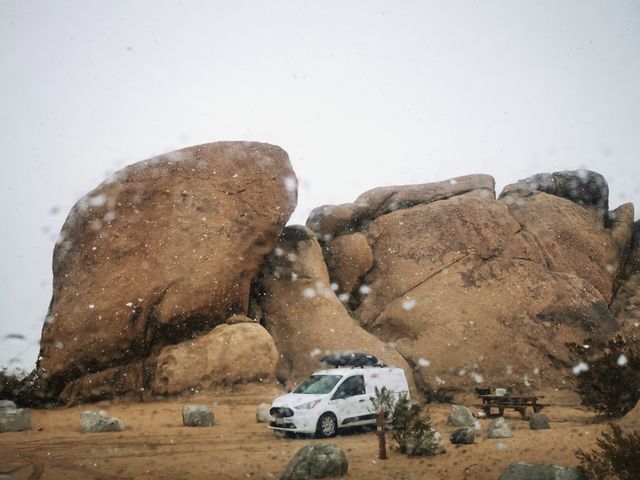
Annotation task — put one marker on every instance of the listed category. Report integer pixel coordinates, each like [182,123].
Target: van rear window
[318,384]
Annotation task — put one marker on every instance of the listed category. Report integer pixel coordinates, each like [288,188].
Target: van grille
[281,412]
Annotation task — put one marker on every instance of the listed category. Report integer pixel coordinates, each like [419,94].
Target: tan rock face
[473,290]
[164,249]
[303,314]
[626,304]
[230,354]
[348,257]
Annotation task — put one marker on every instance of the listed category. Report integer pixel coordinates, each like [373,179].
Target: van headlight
[308,405]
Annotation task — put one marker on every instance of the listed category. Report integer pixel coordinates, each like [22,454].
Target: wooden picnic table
[516,402]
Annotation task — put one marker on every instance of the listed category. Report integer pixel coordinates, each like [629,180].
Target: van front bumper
[301,422]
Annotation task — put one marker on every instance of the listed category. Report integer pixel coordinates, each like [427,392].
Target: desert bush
[611,385]
[385,399]
[616,456]
[411,429]
[21,388]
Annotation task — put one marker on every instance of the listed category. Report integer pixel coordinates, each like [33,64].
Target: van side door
[352,403]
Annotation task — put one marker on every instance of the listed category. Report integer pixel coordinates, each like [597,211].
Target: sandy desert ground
[156,446]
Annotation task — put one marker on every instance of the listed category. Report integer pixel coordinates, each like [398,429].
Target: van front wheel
[327,425]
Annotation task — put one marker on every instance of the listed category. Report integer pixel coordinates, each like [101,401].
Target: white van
[335,398]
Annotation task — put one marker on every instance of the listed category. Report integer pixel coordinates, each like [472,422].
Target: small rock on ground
[460,416]
[462,436]
[262,413]
[499,429]
[15,419]
[317,461]
[528,471]
[197,416]
[538,421]
[99,422]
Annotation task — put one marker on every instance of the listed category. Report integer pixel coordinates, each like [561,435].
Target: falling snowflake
[408,304]
[423,362]
[579,368]
[622,360]
[365,289]
[309,293]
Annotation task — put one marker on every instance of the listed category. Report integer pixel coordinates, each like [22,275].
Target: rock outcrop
[230,354]
[302,312]
[473,289]
[163,250]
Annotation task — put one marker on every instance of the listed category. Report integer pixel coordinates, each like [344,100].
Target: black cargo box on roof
[351,359]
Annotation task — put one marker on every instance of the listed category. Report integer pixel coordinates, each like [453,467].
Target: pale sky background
[360,93]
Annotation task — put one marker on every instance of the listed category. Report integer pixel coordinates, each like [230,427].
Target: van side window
[350,387]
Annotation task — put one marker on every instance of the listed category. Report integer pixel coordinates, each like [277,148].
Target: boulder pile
[177,274]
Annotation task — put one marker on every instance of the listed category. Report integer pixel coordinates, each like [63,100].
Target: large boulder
[331,220]
[469,288]
[529,471]
[230,354]
[164,249]
[317,461]
[99,421]
[15,419]
[303,314]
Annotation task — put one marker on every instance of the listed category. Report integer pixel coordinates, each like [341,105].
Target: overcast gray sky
[360,93]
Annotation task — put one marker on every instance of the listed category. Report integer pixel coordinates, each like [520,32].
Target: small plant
[615,458]
[412,430]
[385,399]
[608,379]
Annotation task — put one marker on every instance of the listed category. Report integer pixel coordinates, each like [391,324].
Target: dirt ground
[156,446]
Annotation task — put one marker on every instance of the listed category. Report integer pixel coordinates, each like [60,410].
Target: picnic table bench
[516,402]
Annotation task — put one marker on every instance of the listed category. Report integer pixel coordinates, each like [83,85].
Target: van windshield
[318,384]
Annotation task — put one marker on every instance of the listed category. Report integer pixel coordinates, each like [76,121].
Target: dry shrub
[609,387]
[616,456]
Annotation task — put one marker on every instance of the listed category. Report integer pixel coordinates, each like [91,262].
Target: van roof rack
[352,359]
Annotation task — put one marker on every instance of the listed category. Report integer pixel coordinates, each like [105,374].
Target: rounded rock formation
[230,354]
[164,249]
